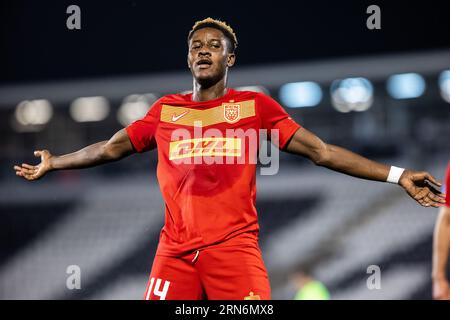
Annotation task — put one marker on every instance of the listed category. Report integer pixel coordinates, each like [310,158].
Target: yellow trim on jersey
[188,116]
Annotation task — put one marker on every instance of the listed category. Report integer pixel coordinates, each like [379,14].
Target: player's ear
[231,59]
[188,63]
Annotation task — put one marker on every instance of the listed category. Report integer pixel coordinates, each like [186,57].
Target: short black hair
[219,25]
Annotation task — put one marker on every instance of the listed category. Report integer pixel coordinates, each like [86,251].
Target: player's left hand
[420,186]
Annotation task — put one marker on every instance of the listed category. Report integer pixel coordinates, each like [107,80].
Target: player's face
[208,56]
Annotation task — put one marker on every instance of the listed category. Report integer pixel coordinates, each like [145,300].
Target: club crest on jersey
[231,112]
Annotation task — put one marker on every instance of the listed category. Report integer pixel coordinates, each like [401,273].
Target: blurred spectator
[309,288]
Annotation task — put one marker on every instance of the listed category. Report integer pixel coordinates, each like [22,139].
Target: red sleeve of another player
[274,117]
[447,187]
[142,132]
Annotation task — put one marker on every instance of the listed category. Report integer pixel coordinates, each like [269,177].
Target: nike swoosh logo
[177,117]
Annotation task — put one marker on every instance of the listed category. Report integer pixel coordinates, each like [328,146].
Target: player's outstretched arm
[118,147]
[419,185]
[441,250]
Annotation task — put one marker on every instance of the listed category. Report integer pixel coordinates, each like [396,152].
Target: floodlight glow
[89,109]
[34,112]
[444,85]
[351,94]
[406,85]
[135,107]
[300,94]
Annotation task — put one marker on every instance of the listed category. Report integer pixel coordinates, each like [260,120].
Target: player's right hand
[441,290]
[30,172]
[420,185]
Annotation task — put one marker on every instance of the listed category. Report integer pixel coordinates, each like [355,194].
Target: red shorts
[215,273]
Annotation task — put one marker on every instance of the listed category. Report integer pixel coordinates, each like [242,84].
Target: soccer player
[441,248]
[208,247]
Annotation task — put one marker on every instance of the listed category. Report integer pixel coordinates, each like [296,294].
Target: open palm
[419,185]
[30,172]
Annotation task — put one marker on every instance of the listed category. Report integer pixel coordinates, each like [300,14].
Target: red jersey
[205,172]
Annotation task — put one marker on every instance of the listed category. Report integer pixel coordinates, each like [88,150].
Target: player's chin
[205,74]
[207,77]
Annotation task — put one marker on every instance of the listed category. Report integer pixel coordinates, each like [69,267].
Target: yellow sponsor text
[213,146]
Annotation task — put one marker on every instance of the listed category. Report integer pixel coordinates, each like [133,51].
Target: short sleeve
[142,132]
[447,186]
[274,117]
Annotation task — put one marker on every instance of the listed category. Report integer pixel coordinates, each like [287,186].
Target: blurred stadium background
[385,95]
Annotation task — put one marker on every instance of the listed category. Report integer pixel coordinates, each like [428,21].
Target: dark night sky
[132,37]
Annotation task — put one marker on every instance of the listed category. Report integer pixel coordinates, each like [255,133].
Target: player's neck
[201,93]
